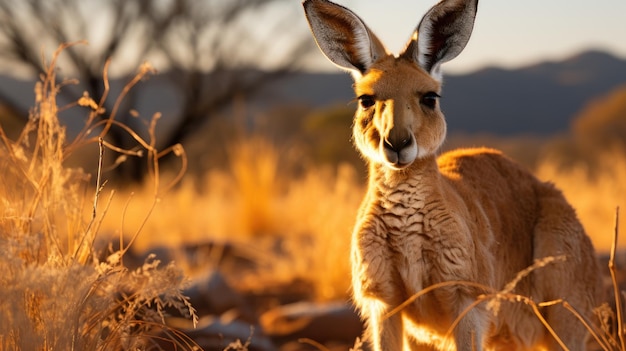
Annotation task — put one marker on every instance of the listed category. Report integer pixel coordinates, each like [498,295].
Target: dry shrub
[594,193]
[56,293]
[601,124]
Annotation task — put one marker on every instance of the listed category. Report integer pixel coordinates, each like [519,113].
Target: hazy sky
[509,33]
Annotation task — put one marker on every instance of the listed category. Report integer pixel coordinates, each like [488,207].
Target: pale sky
[507,33]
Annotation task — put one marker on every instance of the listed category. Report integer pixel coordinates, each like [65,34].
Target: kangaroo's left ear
[343,37]
[442,34]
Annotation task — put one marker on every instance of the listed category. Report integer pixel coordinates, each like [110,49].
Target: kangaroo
[471,215]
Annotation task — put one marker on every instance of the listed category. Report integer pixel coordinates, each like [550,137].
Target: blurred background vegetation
[268,140]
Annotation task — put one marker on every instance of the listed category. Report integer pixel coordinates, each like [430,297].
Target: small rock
[213,333]
[320,322]
[212,295]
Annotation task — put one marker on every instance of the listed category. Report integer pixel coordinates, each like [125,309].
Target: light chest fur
[409,237]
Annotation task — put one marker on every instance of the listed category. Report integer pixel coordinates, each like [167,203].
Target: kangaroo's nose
[397,144]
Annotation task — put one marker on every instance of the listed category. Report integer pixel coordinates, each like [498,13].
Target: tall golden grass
[58,292]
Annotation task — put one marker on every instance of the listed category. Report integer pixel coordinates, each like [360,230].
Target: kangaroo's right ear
[342,36]
[442,34]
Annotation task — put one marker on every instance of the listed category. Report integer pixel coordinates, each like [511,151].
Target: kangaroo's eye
[430,99]
[366,101]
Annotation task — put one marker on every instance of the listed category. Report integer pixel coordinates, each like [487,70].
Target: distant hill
[539,99]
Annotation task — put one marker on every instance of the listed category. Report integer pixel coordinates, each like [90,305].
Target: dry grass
[56,293]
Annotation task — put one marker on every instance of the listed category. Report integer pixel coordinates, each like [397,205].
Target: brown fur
[471,215]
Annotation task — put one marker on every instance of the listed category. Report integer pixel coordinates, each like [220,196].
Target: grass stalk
[613,270]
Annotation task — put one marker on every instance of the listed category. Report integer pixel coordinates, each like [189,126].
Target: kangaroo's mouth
[400,154]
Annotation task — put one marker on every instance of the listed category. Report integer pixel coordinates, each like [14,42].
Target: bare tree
[210,49]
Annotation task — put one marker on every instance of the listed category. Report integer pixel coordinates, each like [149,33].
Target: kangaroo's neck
[401,197]
[422,172]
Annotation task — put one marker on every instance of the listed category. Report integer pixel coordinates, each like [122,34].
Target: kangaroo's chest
[426,243]
[412,240]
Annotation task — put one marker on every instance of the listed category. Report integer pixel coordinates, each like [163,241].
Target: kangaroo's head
[398,119]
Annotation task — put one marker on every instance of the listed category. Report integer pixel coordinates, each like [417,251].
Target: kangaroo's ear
[342,36]
[442,34]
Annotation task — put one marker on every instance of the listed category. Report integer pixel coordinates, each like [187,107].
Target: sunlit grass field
[253,203]
[62,288]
